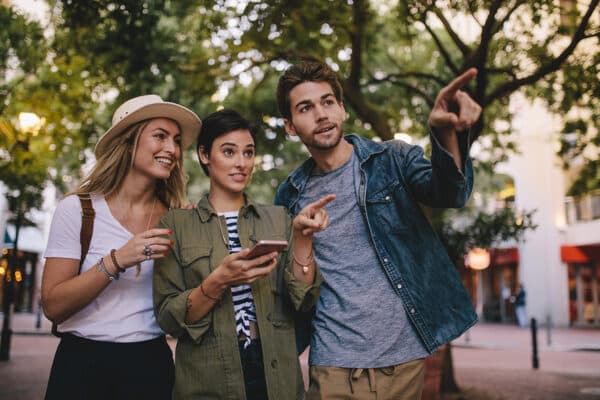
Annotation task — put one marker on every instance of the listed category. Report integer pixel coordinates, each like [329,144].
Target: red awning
[580,254]
[504,256]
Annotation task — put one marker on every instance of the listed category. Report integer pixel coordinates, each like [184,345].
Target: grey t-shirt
[360,321]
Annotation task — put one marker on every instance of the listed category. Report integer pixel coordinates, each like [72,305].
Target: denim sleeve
[280,195]
[438,183]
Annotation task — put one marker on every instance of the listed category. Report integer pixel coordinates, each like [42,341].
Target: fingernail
[165,254]
[172,242]
[170,231]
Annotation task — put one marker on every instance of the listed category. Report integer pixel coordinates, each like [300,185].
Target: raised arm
[454,111]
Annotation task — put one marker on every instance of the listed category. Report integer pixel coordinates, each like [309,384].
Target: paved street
[492,362]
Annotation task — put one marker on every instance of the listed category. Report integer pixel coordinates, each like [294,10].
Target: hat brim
[188,121]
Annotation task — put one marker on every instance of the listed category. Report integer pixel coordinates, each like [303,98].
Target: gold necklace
[223,237]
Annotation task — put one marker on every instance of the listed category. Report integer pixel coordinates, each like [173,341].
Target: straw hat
[146,107]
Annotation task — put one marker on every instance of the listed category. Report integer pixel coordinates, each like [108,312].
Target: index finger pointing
[323,201]
[461,81]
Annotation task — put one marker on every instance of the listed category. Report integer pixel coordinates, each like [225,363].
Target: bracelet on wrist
[110,275]
[113,257]
[205,294]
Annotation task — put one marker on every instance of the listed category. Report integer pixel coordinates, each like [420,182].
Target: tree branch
[440,47]
[356,39]
[464,49]
[481,53]
[366,111]
[416,90]
[552,66]
[510,12]
[508,71]
[410,74]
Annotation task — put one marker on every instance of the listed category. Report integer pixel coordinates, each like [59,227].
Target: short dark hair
[310,70]
[220,123]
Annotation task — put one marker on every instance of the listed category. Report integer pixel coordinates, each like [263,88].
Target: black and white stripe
[243,303]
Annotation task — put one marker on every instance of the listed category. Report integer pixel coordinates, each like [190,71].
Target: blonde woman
[111,345]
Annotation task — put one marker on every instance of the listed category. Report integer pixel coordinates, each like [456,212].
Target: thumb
[443,119]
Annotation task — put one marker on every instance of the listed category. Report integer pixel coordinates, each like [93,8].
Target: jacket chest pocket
[195,264]
[384,205]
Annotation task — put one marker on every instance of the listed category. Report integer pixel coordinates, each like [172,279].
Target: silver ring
[147,251]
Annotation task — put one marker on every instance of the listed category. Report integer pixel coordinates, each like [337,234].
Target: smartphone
[263,247]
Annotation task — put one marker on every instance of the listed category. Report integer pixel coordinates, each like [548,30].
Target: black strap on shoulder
[88,214]
[87,226]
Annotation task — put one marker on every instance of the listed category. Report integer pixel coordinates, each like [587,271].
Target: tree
[392,71]
[22,164]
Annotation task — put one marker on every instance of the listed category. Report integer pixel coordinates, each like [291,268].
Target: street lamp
[29,124]
[479,259]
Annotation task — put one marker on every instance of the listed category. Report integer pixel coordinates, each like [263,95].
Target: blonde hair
[111,168]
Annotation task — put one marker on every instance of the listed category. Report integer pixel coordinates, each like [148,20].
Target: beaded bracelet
[102,267]
[113,257]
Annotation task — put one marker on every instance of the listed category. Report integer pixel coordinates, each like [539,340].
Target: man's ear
[289,127]
[203,156]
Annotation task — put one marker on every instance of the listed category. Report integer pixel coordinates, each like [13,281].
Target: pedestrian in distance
[111,346]
[390,295]
[519,301]
[233,313]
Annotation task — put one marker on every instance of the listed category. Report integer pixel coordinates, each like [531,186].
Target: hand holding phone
[263,247]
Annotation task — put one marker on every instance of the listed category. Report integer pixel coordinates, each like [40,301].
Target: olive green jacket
[207,359]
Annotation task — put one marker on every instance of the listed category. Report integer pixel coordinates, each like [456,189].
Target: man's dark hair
[306,71]
[220,123]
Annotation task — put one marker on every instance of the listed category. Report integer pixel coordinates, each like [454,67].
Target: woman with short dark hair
[233,314]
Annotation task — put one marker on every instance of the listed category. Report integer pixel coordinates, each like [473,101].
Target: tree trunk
[448,382]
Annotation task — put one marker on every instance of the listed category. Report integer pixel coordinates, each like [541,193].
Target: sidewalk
[491,362]
[501,336]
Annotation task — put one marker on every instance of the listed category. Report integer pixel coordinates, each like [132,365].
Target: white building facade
[559,261]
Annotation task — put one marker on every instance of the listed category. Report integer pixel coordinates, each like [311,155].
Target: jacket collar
[206,211]
[363,148]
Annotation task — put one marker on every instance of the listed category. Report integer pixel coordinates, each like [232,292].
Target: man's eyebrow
[307,101]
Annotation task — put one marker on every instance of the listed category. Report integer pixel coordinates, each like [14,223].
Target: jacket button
[274,363]
[399,286]
[412,310]
[387,198]
[385,260]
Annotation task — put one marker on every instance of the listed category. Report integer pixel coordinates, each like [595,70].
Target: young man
[391,295]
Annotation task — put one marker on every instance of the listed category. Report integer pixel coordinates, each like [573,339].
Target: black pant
[254,371]
[86,369]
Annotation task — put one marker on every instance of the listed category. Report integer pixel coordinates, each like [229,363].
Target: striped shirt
[243,303]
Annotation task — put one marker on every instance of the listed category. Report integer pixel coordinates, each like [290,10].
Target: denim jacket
[395,178]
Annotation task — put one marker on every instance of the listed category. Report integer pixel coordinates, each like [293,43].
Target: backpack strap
[87,226]
[88,214]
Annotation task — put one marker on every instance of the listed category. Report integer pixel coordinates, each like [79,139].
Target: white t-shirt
[123,311]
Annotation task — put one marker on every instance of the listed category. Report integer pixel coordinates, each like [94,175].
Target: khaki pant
[398,382]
